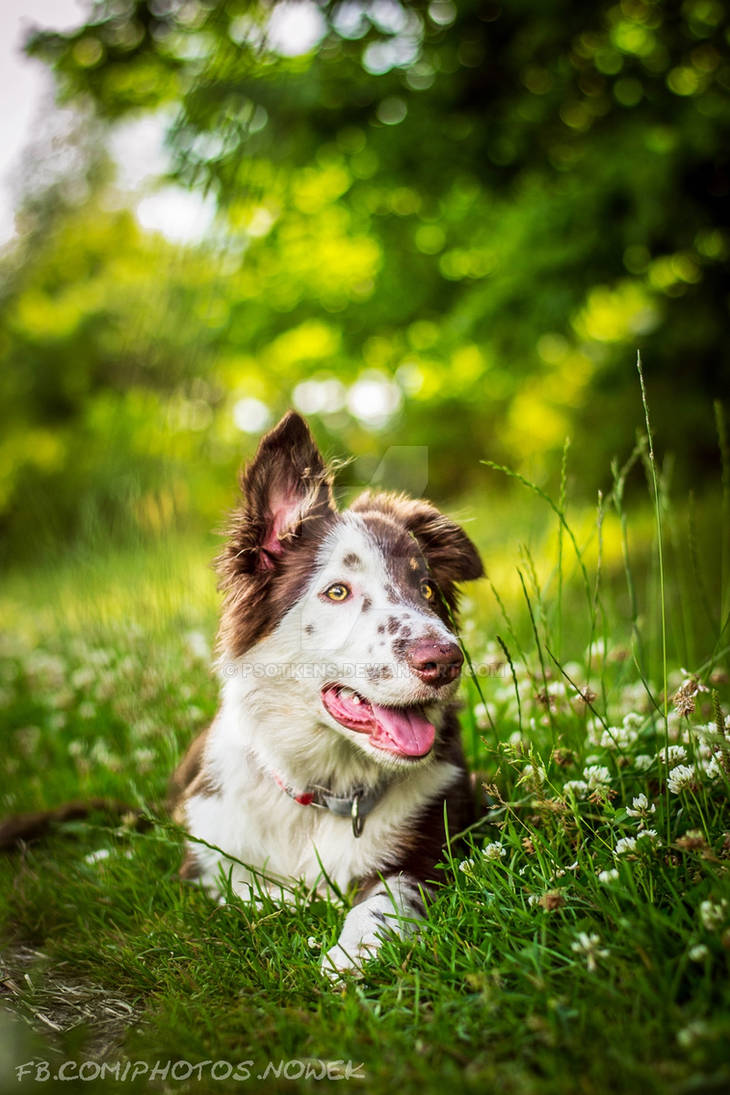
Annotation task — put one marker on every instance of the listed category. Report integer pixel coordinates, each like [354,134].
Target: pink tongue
[407,728]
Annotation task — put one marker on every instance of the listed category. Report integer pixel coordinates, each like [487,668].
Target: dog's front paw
[340,962]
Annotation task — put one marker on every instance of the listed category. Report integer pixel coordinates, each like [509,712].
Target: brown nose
[436,664]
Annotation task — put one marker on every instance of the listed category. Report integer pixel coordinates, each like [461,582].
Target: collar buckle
[358,823]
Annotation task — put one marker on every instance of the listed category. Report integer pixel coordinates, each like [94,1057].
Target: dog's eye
[428,589]
[337,592]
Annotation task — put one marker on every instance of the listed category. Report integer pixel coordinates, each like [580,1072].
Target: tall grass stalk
[543,671]
[508,656]
[620,476]
[722,439]
[562,500]
[662,597]
[475,678]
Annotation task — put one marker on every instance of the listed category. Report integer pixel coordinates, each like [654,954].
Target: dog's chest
[257,824]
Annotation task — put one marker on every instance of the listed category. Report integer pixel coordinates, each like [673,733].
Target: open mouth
[403,731]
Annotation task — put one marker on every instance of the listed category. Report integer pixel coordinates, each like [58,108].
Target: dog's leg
[392,906]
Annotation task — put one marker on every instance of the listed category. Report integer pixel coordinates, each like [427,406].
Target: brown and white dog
[335,754]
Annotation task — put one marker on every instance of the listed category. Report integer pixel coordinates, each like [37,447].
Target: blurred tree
[450,223]
[546,184]
[103,345]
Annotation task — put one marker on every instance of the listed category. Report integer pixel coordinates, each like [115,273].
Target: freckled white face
[352,636]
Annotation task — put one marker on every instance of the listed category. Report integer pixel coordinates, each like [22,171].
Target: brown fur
[422,846]
[446,553]
[190,777]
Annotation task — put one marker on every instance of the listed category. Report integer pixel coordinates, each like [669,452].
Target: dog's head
[347,615]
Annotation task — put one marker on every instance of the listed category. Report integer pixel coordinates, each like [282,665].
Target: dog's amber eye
[428,590]
[337,592]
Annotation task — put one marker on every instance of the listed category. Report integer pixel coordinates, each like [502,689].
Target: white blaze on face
[299,676]
[358,634]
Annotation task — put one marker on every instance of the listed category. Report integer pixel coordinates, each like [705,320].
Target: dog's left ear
[450,554]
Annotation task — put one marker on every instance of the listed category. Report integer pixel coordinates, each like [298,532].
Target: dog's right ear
[286,489]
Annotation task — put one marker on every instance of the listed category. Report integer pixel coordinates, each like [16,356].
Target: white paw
[340,962]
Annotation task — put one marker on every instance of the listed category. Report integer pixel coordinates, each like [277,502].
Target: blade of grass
[662,596]
[562,499]
[724,444]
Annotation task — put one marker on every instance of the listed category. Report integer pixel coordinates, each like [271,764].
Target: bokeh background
[431,227]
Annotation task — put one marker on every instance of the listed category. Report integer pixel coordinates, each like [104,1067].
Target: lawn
[581,939]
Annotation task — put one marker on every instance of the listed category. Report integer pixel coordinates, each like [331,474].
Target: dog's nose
[436,664]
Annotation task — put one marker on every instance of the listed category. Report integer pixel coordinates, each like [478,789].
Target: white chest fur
[251,819]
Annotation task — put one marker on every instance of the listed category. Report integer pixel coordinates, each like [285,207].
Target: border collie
[335,755]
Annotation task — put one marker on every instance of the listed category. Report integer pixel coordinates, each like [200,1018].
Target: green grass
[551,962]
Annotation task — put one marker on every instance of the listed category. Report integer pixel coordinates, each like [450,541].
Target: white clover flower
[650,833]
[534,772]
[144,759]
[97,856]
[681,778]
[640,807]
[618,737]
[594,729]
[494,850]
[633,720]
[532,899]
[698,953]
[577,787]
[313,944]
[466,866]
[83,677]
[642,762]
[712,768]
[480,715]
[634,695]
[713,914]
[100,657]
[596,775]
[608,876]
[556,688]
[589,947]
[674,754]
[691,1034]
[625,845]
[100,752]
